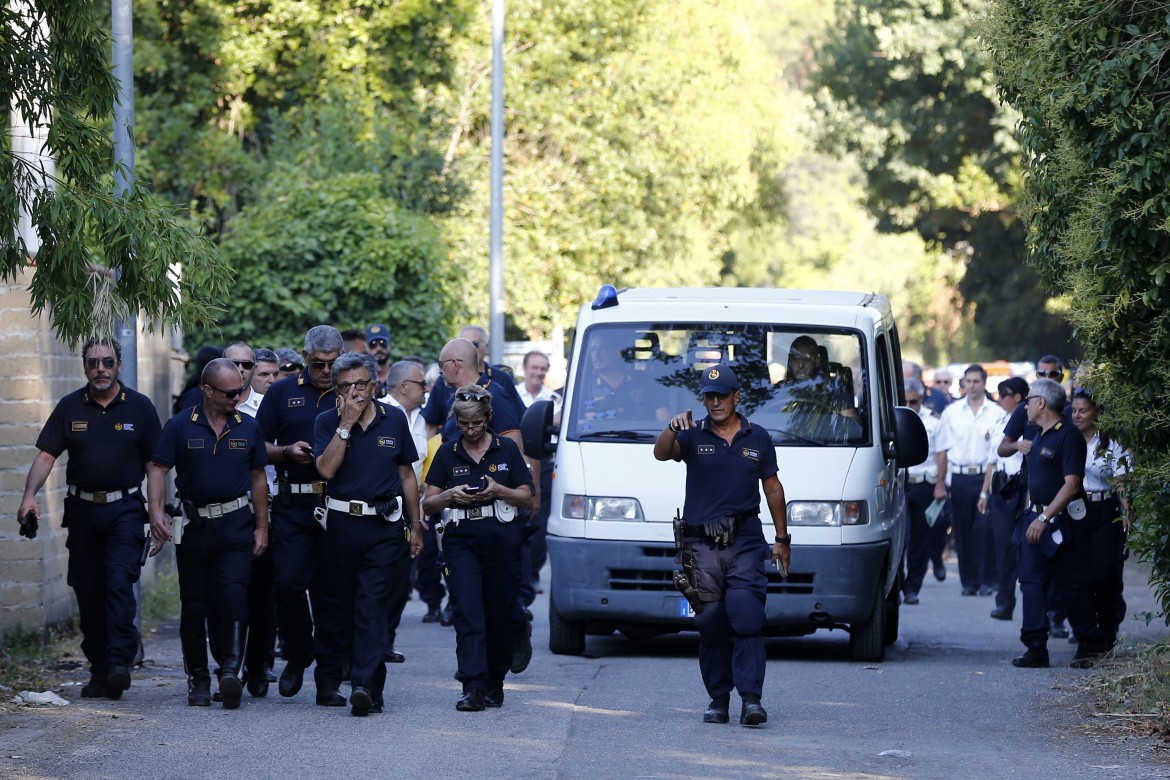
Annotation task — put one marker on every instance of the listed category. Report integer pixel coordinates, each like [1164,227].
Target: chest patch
[295,402]
[1047,452]
[460,471]
[79,427]
[387,441]
[194,444]
[705,449]
[498,467]
[237,444]
[124,427]
[753,454]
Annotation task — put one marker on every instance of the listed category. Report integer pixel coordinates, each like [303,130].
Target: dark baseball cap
[719,379]
[377,332]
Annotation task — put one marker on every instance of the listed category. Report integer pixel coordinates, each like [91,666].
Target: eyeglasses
[321,365]
[443,363]
[92,363]
[229,393]
[466,396]
[1029,398]
[413,382]
[361,385]
[476,343]
[291,367]
[914,402]
[1051,374]
[247,365]
[469,425]
[378,343]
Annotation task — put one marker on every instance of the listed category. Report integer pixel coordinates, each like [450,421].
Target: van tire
[867,640]
[565,637]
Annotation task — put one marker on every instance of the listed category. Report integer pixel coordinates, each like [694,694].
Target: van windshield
[806,385]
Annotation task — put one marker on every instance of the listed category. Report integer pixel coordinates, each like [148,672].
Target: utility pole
[496,232]
[123,34]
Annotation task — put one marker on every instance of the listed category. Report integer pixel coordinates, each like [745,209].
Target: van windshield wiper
[780,437]
[620,435]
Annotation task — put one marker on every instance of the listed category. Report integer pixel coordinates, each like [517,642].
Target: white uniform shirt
[545,394]
[1101,468]
[250,406]
[1010,465]
[928,467]
[964,433]
[418,432]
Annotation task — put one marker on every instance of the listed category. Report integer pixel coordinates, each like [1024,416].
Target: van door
[892,492]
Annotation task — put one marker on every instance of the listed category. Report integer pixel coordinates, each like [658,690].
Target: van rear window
[807,386]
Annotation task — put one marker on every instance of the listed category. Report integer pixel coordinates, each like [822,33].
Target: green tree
[56,62]
[1090,82]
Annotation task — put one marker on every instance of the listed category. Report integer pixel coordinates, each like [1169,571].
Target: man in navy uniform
[1053,537]
[286,421]
[109,432]
[727,458]
[366,452]
[219,458]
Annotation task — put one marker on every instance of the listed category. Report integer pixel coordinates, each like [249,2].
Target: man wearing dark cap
[378,345]
[723,544]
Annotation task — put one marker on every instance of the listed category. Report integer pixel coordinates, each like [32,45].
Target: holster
[684,580]
[678,530]
[283,497]
[191,512]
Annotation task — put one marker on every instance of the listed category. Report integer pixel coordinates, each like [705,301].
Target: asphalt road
[946,703]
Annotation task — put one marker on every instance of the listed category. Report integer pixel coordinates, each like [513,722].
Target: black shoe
[117,681]
[717,710]
[910,598]
[752,713]
[969,591]
[494,699]
[291,679]
[1001,613]
[1058,629]
[987,590]
[231,689]
[360,701]
[96,687]
[522,649]
[1086,657]
[940,571]
[1034,658]
[269,674]
[376,709]
[199,690]
[217,697]
[472,701]
[257,685]
[434,615]
[447,617]
[394,657]
[330,698]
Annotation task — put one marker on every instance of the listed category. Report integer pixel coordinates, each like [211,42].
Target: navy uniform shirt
[495,380]
[503,462]
[1018,427]
[211,468]
[370,468]
[289,414]
[108,447]
[1055,453]
[725,478]
[503,419]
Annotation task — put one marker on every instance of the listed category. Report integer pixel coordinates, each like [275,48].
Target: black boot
[752,713]
[717,710]
[229,676]
[195,664]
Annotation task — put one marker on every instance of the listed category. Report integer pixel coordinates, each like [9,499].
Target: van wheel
[565,637]
[866,641]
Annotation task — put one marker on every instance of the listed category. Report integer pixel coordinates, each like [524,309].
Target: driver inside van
[616,391]
[810,385]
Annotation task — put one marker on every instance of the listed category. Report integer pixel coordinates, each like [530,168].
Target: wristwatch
[1045,519]
[343,433]
[785,539]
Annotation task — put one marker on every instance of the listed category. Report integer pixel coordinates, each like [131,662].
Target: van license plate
[685,609]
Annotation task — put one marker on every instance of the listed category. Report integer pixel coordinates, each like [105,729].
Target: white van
[841,440]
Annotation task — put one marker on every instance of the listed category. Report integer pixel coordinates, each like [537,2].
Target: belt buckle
[357,508]
[100,498]
[475,511]
[316,487]
[215,510]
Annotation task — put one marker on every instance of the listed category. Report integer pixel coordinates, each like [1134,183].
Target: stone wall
[40,370]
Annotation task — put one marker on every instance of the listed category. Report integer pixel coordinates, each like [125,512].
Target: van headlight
[827,513]
[601,508]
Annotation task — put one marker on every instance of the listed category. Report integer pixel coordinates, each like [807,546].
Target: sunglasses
[378,343]
[291,367]
[321,365]
[92,363]
[443,363]
[914,402]
[247,365]
[1051,374]
[413,382]
[361,385]
[229,393]
[465,396]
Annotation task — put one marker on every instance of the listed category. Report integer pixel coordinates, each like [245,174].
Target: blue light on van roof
[606,297]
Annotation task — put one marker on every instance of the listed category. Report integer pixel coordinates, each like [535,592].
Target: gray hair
[351,360]
[323,338]
[480,328]
[1051,392]
[400,371]
[431,375]
[110,342]
[913,385]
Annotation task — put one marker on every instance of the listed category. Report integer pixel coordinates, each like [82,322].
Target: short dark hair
[1016,385]
[1051,359]
[110,342]
[266,356]
[976,367]
[535,353]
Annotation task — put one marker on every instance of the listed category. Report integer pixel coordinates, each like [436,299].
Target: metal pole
[496,233]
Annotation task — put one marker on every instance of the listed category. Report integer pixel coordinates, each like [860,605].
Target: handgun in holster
[684,581]
[175,512]
[191,512]
[283,496]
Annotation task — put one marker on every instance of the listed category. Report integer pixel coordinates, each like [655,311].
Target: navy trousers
[918,543]
[1005,509]
[1067,569]
[297,543]
[972,532]
[1106,561]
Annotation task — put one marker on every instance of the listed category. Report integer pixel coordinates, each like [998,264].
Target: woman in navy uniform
[372,531]
[727,458]
[477,481]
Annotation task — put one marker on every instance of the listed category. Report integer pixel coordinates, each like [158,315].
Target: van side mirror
[537,430]
[910,442]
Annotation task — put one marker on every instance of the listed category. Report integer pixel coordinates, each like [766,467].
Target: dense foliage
[1090,80]
[56,65]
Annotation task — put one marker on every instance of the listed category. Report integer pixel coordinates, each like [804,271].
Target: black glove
[28,525]
[718,529]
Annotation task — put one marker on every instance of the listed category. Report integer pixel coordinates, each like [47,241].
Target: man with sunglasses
[242,354]
[499,382]
[727,459]
[219,458]
[109,432]
[378,345]
[286,421]
[289,363]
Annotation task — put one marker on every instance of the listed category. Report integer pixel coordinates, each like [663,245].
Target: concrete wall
[40,370]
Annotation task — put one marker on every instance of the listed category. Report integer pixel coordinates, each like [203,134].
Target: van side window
[887,386]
